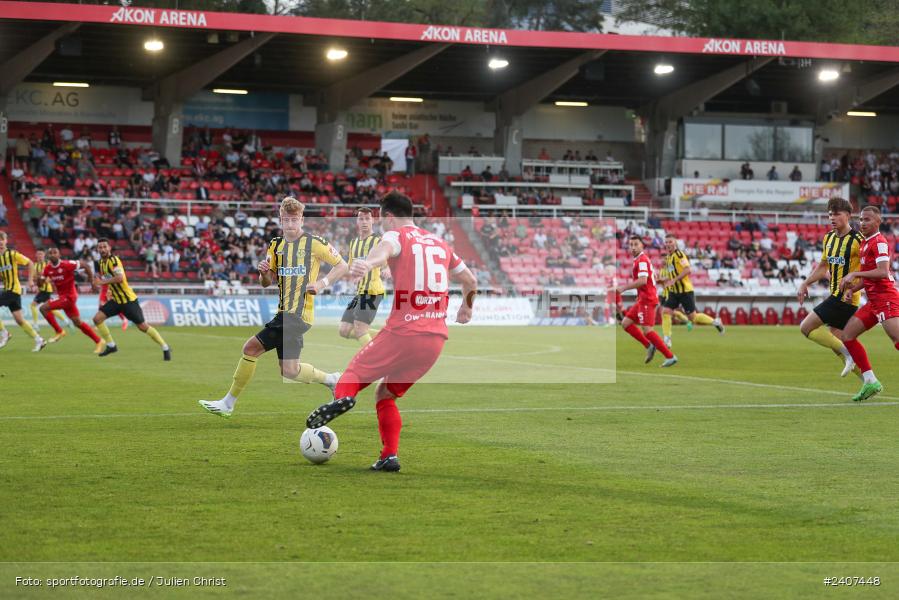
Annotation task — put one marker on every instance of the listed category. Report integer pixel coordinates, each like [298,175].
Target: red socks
[635,333]
[51,318]
[858,354]
[897,345]
[86,329]
[389,424]
[653,337]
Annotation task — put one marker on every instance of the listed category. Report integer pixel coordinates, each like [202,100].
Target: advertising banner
[756,191]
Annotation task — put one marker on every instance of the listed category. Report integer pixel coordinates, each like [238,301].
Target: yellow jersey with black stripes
[39,269]
[10,261]
[675,263]
[120,293]
[840,253]
[296,264]
[371,284]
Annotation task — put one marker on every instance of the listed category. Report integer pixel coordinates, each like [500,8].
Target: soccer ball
[318,445]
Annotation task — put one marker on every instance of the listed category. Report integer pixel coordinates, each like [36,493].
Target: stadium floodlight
[336,54]
[70,84]
[861,113]
[405,99]
[230,91]
[153,45]
[663,69]
[498,63]
[828,74]
[570,103]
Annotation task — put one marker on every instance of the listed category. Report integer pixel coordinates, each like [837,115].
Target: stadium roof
[112,53]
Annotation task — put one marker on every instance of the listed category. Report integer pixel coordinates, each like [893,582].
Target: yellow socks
[242,375]
[365,339]
[103,330]
[154,335]
[28,329]
[35,313]
[309,374]
[2,326]
[823,337]
[666,324]
[680,317]
[702,319]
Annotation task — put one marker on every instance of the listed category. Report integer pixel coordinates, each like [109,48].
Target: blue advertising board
[257,110]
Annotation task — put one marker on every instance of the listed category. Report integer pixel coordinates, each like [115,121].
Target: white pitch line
[424,411]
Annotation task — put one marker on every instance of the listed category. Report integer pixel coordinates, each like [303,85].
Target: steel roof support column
[333,102]
[511,105]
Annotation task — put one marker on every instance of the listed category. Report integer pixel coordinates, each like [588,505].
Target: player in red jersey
[407,347]
[62,274]
[643,313]
[883,298]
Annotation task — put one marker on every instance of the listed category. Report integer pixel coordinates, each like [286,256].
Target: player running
[839,258]
[411,341]
[644,311]
[883,298]
[359,314]
[121,301]
[679,291]
[11,296]
[294,261]
[62,274]
[44,293]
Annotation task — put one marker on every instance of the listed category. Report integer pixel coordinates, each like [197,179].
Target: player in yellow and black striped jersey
[294,262]
[11,291]
[44,292]
[120,299]
[359,314]
[839,257]
[679,291]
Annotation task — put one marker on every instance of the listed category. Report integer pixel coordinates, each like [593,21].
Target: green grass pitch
[664,484]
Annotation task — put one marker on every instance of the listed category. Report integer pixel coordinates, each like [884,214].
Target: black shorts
[11,300]
[42,297]
[687,300]
[363,307]
[131,310]
[284,333]
[835,312]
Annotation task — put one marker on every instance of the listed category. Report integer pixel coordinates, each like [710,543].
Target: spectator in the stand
[766,244]
[796,174]
[472,151]
[114,138]
[23,149]
[410,154]
[86,169]
[826,170]
[503,174]
[733,244]
[240,218]
[466,174]
[609,157]
[487,174]
[521,231]
[54,228]
[746,171]
[83,143]
[768,266]
[569,155]
[773,174]
[150,263]
[66,135]
[540,239]
[528,174]
[577,156]
[544,155]
[591,156]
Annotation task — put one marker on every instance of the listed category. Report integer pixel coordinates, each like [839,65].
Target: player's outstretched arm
[636,283]
[265,273]
[469,291]
[337,273]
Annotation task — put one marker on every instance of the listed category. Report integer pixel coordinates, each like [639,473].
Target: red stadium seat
[789,318]
[771,317]
[724,315]
[755,317]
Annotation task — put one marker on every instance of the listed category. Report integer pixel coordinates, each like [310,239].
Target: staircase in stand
[19,238]
[424,189]
[642,195]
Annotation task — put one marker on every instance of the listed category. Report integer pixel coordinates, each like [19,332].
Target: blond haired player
[11,294]
[293,261]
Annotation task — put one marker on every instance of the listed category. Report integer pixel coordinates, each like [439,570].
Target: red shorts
[878,311]
[400,359]
[66,304]
[643,314]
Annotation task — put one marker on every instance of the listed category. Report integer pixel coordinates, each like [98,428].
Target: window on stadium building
[749,142]
[794,144]
[702,141]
